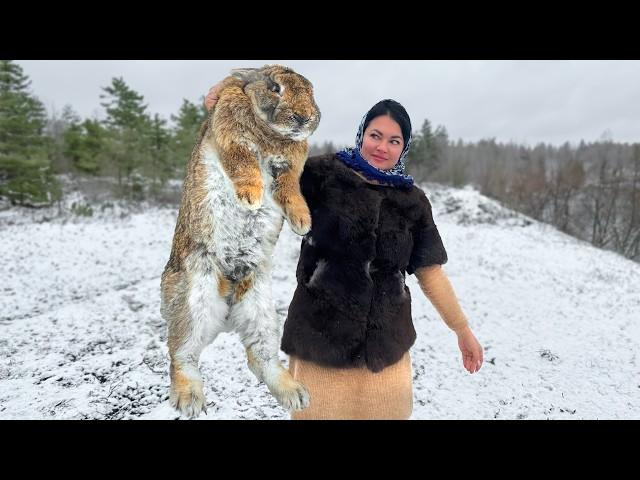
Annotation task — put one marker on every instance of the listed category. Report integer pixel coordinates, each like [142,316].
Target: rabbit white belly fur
[242,239]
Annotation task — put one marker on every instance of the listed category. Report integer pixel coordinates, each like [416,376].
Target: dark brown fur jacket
[351,307]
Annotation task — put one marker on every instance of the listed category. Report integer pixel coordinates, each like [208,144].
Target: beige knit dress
[359,393]
[355,393]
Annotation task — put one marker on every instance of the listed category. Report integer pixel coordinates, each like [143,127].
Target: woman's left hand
[472,353]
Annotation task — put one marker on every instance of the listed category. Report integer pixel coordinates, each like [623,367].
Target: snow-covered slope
[81,334]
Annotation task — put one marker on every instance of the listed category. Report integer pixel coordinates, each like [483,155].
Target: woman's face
[382,142]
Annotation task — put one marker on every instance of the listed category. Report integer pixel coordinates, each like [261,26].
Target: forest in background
[590,191]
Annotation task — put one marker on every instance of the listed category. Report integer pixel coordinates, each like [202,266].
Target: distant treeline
[137,149]
[591,190]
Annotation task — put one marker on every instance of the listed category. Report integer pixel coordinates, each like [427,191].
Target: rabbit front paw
[299,218]
[250,195]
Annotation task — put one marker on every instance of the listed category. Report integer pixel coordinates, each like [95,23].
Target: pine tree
[84,145]
[25,171]
[424,155]
[124,106]
[128,135]
[187,125]
[441,141]
[159,168]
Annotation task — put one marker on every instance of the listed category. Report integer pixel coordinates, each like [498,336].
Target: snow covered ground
[81,334]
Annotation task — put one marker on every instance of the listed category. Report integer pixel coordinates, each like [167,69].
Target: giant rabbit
[241,182]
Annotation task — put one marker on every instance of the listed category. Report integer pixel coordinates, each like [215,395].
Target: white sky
[512,100]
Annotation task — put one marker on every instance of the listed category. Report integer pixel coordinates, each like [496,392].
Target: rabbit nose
[300,119]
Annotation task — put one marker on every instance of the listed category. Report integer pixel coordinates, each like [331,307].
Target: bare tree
[564,183]
[626,233]
[604,194]
[529,186]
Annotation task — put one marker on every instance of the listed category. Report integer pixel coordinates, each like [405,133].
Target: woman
[349,328]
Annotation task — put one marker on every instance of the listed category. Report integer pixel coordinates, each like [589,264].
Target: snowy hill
[81,334]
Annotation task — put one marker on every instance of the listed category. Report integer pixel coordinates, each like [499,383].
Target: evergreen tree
[187,125]
[440,141]
[426,151]
[128,136]
[25,171]
[159,169]
[125,110]
[84,145]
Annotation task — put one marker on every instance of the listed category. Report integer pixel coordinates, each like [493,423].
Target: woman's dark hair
[395,111]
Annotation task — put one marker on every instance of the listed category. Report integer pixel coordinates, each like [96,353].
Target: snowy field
[81,335]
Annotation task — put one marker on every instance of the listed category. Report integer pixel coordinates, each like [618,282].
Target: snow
[81,334]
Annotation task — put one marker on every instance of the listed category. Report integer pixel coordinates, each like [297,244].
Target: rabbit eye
[275,88]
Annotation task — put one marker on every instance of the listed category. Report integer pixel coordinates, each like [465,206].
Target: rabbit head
[281,98]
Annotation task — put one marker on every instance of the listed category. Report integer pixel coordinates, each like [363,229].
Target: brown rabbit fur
[243,177]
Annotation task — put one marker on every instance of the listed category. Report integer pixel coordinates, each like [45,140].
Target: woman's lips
[380,159]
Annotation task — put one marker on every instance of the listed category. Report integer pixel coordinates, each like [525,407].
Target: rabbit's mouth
[299,134]
[307,128]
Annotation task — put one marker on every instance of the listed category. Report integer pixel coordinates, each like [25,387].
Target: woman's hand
[213,96]
[472,353]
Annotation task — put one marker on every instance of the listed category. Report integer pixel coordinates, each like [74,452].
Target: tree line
[590,191]
[138,150]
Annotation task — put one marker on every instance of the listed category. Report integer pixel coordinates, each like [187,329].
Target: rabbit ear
[247,75]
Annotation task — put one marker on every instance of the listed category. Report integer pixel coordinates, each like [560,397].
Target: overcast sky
[512,100]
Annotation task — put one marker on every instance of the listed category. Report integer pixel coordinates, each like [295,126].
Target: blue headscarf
[395,176]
